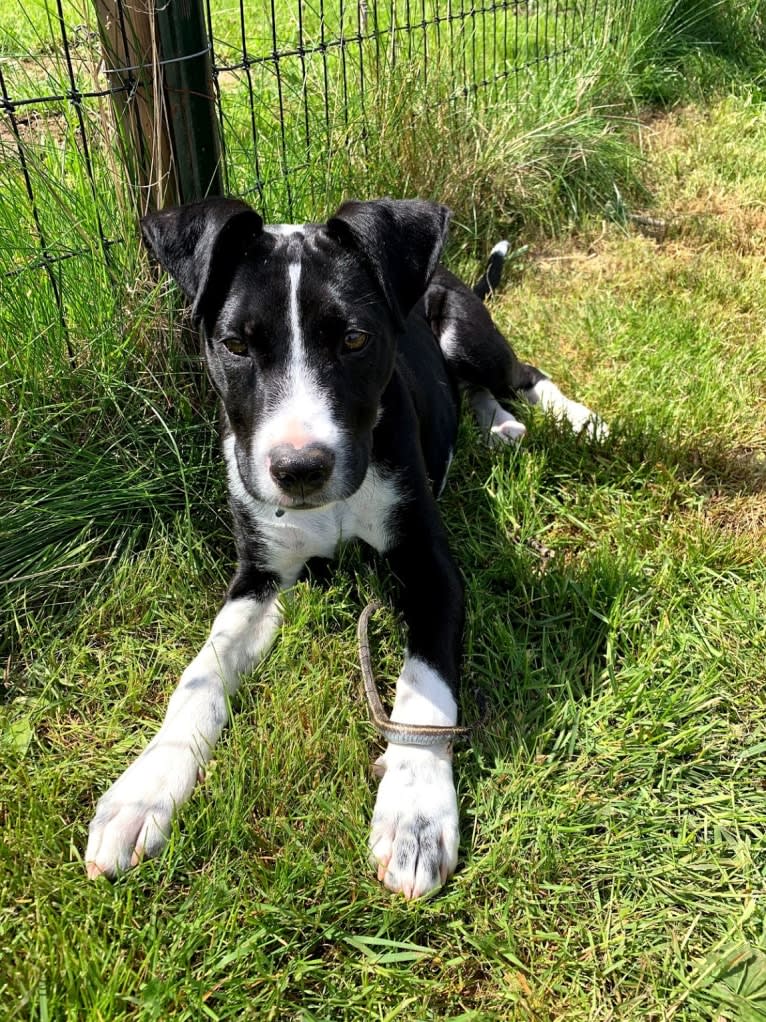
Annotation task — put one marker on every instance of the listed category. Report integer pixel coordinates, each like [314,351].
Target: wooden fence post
[158,61]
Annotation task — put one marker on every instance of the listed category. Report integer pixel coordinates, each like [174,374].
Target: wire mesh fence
[297,88]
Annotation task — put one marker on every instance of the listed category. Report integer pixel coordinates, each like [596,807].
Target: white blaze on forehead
[301,413]
[284,229]
[296,338]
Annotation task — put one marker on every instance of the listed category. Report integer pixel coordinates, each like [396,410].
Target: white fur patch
[292,537]
[448,342]
[500,425]
[450,457]
[579,416]
[414,836]
[133,817]
[423,696]
[296,334]
[301,413]
[284,230]
[242,632]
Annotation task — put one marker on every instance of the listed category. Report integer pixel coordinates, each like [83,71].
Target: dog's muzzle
[301,471]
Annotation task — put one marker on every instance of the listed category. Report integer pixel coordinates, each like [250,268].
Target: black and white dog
[339,352]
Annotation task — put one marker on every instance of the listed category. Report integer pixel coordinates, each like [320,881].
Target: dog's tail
[490,279]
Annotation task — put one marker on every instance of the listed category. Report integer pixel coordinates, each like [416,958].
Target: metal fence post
[188,75]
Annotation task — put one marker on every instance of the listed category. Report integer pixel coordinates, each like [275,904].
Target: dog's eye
[235,345]
[355,340]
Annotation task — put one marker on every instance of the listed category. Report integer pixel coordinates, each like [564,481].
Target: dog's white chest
[291,537]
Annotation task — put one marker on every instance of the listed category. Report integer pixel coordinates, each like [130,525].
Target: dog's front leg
[414,837]
[133,817]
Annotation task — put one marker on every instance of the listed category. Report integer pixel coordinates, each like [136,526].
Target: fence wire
[298,86]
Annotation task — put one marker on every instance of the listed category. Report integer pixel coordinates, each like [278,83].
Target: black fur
[339,352]
[373,266]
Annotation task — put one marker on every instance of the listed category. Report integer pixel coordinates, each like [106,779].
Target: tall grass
[680,48]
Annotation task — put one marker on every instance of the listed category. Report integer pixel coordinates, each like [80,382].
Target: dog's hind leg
[486,366]
[478,356]
[547,395]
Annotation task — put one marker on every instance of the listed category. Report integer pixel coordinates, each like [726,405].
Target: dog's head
[300,327]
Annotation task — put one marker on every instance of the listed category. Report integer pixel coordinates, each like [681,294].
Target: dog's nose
[300,471]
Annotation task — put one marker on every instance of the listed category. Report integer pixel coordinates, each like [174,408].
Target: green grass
[612,855]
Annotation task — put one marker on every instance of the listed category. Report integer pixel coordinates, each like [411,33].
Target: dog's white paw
[501,427]
[510,431]
[133,817]
[414,837]
[579,417]
[583,420]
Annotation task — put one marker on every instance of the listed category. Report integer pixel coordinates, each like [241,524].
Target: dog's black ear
[198,242]
[400,240]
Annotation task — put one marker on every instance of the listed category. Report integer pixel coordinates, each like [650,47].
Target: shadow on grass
[78,501]
[540,625]
[635,454]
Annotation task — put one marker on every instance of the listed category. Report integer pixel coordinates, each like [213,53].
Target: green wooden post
[187,73]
